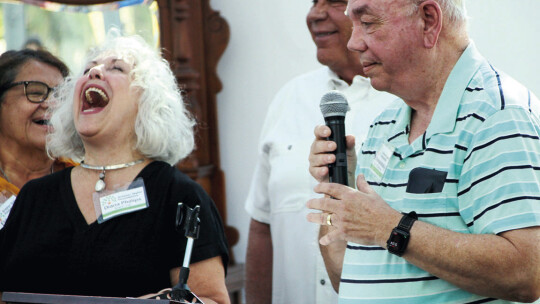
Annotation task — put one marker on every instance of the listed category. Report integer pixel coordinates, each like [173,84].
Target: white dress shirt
[282,184]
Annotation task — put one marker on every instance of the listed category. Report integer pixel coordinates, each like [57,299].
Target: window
[68,31]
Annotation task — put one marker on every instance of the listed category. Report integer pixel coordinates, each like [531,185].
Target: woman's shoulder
[50,181]
[44,191]
[159,174]
[166,172]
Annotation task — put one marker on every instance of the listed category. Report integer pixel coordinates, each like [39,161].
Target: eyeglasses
[35,91]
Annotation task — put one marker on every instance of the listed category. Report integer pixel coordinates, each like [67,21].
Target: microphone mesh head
[334,103]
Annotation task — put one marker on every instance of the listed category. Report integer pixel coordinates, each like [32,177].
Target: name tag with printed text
[122,202]
[382,158]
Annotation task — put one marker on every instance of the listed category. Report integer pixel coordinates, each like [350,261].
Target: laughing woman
[27,78]
[107,227]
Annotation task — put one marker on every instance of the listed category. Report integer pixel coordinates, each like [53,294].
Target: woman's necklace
[100,184]
[9,181]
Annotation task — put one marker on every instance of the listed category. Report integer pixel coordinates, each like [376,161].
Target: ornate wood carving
[199,37]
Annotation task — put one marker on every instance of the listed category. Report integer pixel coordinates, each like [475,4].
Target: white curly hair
[163,126]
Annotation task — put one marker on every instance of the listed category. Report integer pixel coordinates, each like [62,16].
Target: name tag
[5,208]
[120,202]
[382,158]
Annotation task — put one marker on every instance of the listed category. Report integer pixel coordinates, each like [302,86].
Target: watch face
[398,241]
[395,240]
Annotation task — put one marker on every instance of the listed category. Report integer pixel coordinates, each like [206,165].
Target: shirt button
[323,282]
[401,165]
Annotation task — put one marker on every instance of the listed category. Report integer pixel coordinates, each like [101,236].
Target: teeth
[96,90]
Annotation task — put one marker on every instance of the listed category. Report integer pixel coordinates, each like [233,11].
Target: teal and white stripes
[485,135]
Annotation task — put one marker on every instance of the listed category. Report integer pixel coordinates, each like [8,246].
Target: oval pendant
[100,185]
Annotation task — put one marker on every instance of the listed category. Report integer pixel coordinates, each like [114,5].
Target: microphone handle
[338,169]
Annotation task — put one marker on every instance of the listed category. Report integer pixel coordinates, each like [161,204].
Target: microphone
[334,105]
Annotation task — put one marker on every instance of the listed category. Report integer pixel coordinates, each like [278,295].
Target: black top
[46,245]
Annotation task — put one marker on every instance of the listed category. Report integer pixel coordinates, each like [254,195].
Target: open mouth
[94,97]
[43,122]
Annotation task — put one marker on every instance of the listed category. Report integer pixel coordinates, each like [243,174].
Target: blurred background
[68,31]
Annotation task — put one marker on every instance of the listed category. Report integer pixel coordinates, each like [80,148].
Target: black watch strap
[407,221]
[399,238]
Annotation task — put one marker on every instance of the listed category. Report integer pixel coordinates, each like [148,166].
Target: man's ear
[432,15]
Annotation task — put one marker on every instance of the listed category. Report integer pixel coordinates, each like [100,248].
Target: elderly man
[283,260]
[447,202]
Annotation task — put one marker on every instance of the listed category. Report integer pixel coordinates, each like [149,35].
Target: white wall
[270,44]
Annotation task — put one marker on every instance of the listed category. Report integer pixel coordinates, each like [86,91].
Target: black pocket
[424,180]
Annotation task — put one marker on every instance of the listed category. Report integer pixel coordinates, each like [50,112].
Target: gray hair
[163,126]
[453,9]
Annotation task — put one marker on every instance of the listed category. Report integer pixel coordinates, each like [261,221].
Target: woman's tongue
[94,100]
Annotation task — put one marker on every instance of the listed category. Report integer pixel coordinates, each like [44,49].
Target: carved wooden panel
[198,37]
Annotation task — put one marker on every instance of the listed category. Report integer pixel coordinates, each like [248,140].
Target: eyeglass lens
[36,91]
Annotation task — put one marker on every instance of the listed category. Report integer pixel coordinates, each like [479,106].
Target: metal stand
[187,219]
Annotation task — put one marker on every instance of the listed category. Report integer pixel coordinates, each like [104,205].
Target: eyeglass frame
[26,83]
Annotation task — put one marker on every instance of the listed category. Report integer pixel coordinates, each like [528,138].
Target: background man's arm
[333,257]
[259,264]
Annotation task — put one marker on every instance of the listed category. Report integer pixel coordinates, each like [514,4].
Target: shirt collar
[444,117]
[400,132]
[334,82]
[358,91]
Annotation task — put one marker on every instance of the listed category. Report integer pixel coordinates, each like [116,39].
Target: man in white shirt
[283,263]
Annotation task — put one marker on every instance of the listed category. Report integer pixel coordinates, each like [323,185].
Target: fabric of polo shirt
[282,185]
[485,134]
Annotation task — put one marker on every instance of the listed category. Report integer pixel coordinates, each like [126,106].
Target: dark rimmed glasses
[35,91]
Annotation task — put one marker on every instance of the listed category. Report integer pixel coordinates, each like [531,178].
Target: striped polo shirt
[476,170]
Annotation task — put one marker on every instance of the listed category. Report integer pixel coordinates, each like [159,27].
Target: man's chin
[377,84]
[327,58]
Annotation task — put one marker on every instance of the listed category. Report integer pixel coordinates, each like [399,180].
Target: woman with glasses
[26,81]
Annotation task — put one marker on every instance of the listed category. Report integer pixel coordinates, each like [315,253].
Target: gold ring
[329,219]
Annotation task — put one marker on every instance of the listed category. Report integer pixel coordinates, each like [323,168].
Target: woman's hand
[206,280]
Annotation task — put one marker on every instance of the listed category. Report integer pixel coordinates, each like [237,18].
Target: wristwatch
[399,238]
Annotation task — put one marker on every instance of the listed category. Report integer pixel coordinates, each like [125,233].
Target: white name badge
[5,208]
[382,158]
[122,200]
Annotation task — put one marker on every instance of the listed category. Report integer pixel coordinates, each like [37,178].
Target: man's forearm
[505,266]
[333,257]
[259,264]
